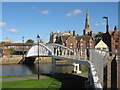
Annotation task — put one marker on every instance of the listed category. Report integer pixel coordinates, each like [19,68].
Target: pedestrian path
[23,78]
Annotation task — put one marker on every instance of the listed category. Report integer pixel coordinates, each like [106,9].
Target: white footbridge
[98,62]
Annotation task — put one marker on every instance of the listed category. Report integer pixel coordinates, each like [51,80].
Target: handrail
[106,51]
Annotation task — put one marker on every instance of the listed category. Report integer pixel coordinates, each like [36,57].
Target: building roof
[84,38]
[78,38]
[64,38]
[101,44]
[110,32]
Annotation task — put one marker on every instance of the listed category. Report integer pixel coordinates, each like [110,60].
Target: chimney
[69,31]
[115,28]
[73,33]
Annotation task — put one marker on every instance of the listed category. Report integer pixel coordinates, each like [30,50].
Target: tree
[30,41]
[3,42]
[11,50]
[41,41]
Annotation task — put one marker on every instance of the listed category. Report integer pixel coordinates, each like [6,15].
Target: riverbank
[30,84]
[57,81]
[17,60]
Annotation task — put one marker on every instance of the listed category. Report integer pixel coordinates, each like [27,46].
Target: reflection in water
[21,69]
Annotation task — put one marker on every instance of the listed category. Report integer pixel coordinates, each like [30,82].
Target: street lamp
[23,47]
[38,39]
[107,26]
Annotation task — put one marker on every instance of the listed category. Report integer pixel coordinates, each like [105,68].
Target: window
[116,39]
[81,44]
[74,46]
[70,46]
[116,46]
[90,45]
[71,43]
[104,48]
[27,47]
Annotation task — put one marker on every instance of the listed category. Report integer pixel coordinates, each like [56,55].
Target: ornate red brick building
[115,40]
[112,40]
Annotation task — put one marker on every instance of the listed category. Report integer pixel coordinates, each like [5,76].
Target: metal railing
[107,65]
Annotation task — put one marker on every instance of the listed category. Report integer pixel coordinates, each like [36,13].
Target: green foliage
[19,76]
[41,41]
[85,71]
[30,41]
[42,83]
[3,42]
[11,50]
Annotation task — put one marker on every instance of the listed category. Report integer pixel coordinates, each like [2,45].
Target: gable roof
[64,38]
[84,38]
[101,44]
[78,38]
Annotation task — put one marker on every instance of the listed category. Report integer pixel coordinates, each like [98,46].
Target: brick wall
[71,43]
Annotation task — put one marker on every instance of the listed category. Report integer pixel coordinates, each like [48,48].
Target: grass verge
[85,71]
[42,83]
[20,76]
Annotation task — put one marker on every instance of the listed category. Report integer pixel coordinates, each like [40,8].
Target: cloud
[12,30]
[74,13]
[45,12]
[100,24]
[2,24]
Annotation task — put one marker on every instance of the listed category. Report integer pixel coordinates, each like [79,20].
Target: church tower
[87,31]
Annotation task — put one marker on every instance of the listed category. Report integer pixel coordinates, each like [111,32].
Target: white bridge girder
[49,50]
[43,51]
[57,51]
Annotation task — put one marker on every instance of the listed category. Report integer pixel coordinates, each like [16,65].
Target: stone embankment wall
[17,60]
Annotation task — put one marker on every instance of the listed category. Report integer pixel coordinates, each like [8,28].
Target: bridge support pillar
[89,83]
[53,65]
[89,77]
[76,68]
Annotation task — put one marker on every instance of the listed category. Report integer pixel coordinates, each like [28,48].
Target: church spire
[87,30]
[87,22]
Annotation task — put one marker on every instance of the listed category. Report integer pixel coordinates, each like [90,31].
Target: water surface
[21,69]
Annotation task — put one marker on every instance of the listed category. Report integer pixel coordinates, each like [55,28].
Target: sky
[29,19]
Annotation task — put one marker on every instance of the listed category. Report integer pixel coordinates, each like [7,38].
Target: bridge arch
[58,49]
[43,51]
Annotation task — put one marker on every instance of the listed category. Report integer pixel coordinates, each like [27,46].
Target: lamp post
[38,39]
[107,26]
[23,47]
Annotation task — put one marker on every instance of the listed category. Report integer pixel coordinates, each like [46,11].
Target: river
[20,69]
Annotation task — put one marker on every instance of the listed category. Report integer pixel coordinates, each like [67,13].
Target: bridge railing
[107,67]
[78,57]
